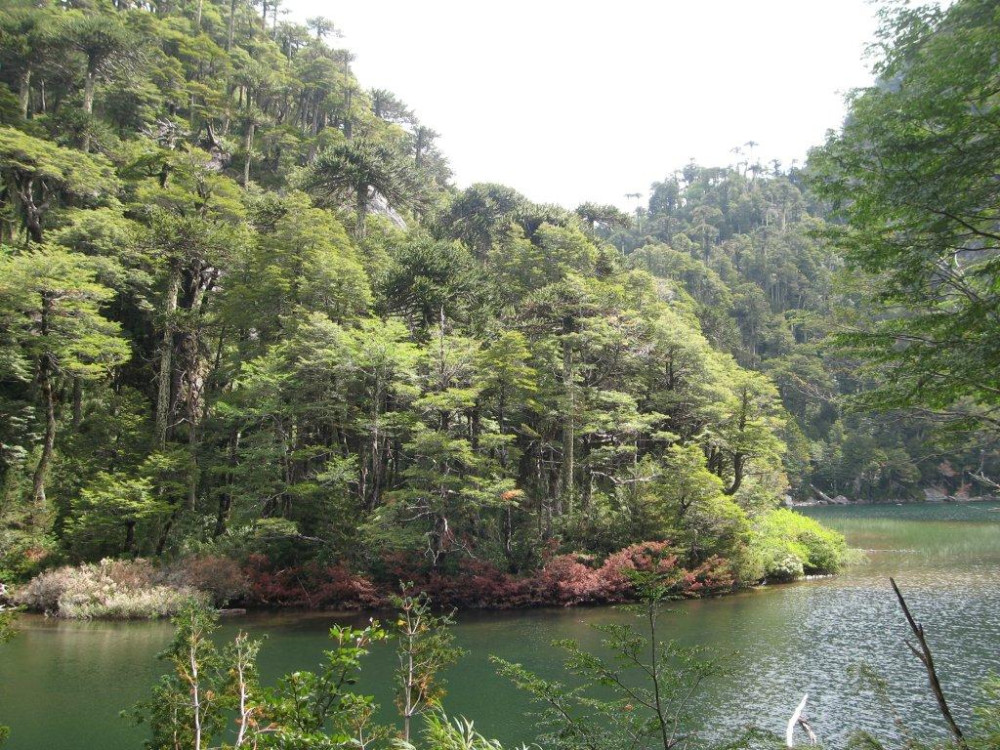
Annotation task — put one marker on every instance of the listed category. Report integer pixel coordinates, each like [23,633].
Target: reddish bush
[314,586]
[219,577]
[714,576]
[646,557]
[564,580]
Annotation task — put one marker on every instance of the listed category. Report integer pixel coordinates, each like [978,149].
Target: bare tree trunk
[925,657]
[569,432]
[226,498]
[232,25]
[88,105]
[49,442]
[166,360]
[24,93]
[797,718]
[362,212]
[251,128]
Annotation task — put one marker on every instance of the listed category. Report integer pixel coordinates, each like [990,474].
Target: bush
[220,578]
[312,585]
[111,589]
[787,545]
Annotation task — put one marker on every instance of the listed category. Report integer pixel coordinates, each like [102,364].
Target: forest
[257,350]
[254,340]
[247,318]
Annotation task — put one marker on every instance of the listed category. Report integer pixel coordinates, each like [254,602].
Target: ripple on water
[791,640]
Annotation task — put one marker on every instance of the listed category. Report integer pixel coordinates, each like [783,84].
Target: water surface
[62,685]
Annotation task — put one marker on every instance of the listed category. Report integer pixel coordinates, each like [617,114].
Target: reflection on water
[62,685]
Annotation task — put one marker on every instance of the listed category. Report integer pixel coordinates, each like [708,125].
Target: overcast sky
[569,100]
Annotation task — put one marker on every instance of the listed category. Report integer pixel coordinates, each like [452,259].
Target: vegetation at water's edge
[786,546]
[244,315]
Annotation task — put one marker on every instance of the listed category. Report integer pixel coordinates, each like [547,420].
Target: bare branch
[924,654]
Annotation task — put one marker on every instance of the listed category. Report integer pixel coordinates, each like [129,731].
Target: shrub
[220,578]
[112,589]
[789,545]
[312,585]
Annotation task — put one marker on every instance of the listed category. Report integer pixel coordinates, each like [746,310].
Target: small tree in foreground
[425,648]
[640,697]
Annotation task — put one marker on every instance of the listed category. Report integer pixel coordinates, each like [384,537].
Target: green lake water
[63,684]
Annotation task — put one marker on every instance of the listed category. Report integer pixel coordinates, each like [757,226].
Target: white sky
[573,100]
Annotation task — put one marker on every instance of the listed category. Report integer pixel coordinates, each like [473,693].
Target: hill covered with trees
[244,313]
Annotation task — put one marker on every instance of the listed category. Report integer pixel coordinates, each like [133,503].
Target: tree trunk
[569,435]
[226,498]
[130,538]
[166,360]
[77,403]
[362,212]
[45,383]
[24,93]
[232,25]
[249,147]
[49,442]
[88,106]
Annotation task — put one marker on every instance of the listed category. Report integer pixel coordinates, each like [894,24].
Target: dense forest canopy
[244,310]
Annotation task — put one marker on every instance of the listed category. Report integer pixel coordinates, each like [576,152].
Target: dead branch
[925,657]
[797,718]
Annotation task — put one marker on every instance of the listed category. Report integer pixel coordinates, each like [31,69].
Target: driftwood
[925,657]
[798,718]
[820,494]
[983,479]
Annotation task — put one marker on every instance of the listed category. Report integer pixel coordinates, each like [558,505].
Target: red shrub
[220,577]
[313,585]
[565,580]
[646,557]
[714,576]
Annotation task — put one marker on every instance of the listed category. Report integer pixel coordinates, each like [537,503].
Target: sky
[574,101]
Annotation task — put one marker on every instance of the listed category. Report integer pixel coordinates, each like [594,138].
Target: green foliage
[912,173]
[788,545]
[317,709]
[652,685]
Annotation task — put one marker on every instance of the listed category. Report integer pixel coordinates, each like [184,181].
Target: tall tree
[913,172]
[51,308]
[359,171]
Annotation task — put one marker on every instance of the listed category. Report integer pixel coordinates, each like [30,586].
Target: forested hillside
[761,258]
[243,312]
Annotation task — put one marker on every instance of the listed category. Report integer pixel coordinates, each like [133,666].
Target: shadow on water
[62,685]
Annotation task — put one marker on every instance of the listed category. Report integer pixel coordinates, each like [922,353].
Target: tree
[50,306]
[104,41]
[913,173]
[26,40]
[605,215]
[115,504]
[424,648]
[359,171]
[36,172]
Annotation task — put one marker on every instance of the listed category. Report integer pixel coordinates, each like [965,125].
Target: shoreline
[942,499]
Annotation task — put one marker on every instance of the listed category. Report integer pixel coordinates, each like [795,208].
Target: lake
[63,684]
